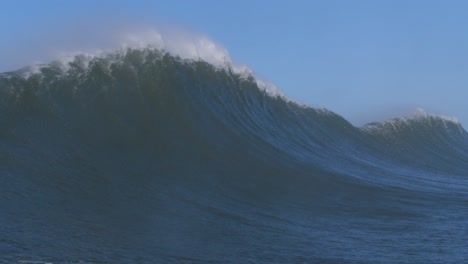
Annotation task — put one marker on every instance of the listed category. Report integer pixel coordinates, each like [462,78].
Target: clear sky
[365,60]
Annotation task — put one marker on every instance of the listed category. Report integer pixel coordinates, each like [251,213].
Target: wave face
[143,157]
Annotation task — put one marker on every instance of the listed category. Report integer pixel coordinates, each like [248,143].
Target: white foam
[419,113]
[186,45]
[65,58]
[194,47]
[423,113]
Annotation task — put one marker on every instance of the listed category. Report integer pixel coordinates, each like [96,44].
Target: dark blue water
[142,157]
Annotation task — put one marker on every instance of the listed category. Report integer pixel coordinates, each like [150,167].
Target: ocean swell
[142,155]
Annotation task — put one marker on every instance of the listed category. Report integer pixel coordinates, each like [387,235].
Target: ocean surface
[140,156]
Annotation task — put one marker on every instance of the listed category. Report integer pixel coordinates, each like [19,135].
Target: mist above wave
[184,45]
[178,43]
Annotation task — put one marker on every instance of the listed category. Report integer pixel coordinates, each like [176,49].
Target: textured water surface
[143,157]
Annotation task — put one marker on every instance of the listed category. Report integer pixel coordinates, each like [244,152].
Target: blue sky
[365,60]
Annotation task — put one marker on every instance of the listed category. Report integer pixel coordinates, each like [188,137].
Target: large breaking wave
[144,156]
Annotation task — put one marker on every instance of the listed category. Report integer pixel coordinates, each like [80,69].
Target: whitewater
[167,152]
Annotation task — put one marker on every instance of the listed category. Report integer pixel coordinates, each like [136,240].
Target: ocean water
[140,156]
